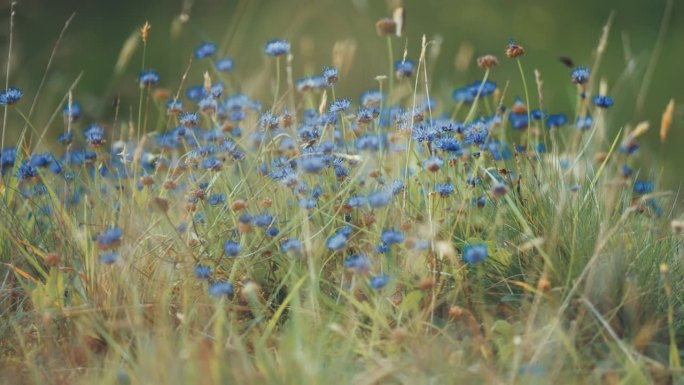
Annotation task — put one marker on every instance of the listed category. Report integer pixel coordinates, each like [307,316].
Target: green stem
[527,100]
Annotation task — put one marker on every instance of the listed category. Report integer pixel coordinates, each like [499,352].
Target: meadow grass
[200,236]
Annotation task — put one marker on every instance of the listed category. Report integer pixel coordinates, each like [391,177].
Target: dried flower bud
[487,61]
[386,27]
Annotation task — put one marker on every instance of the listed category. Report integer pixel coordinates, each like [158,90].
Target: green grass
[582,283]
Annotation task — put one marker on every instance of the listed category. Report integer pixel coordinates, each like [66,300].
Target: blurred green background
[546,28]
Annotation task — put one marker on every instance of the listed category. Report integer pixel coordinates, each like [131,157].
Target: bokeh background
[546,28]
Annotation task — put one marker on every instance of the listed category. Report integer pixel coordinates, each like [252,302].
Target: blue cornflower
[231,248]
[448,144]
[366,115]
[643,187]
[379,281]
[603,101]
[311,83]
[272,231]
[584,122]
[580,75]
[313,164]
[220,288]
[355,202]
[41,160]
[331,75]
[379,198]
[397,186]
[217,199]
[277,47]
[108,257]
[196,93]
[404,68]
[463,95]
[26,171]
[202,272]
[205,50]
[189,119]
[211,163]
[65,138]
[340,105]
[148,77]
[476,132]
[263,220]
[291,244]
[392,236]
[337,241]
[72,112]
[518,120]
[316,192]
[382,248]
[307,203]
[444,189]
[485,88]
[371,98]
[626,171]
[10,96]
[94,135]
[556,120]
[537,114]
[246,218]
[433,163]
[216,90]
[225,64]
[174,106]
[358,263]
[109,238]
[475,253]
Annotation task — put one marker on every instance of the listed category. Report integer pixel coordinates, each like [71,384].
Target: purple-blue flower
[580,75]
[205,50]
[379,281]
[225,64]
[10,96]
[603,101]
[231,248]
[148,77]
[277,47]
[475,253]
[220,288]
[202,272]
[392,236]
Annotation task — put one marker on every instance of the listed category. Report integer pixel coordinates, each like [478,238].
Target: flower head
[475,253]
[225,64]
[331,75]
[220,288]
[379,198]
[10,96]
[108,257]
[277,47]
[340,105]
[487,61]
[148,77]
[202,271]
[205,50]
[603,101]
[231,248]
[444,189]
[358,263]
[379,281]
[513,50]
[404,68]
[580,75]
[392,236]
[109,239]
